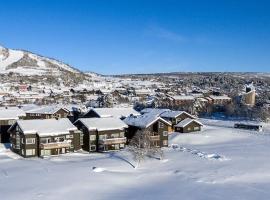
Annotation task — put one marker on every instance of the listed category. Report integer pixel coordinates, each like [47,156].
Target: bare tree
[141,146]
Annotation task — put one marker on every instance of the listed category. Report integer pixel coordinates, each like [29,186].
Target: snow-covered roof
[46,109]
[174,114]
[102,124]
[154,111]
[183,97]
[186,122]
[115,112]
[222,97]
[11,113]
[143,121]
[46,127]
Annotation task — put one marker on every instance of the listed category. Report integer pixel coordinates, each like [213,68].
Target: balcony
[55,145]
[109,141]
[154,137]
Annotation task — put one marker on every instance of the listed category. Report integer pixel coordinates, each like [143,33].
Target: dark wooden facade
[102,141]
[61,113]
[158,130]
[191,127]
[31,145]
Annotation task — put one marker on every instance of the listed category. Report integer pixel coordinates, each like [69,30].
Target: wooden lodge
[44,137]
[157,126]
[102,134]
[188,125]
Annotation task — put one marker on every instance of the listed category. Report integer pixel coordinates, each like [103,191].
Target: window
[60,139]
[30,152]
[160,125]
[69,136]
[165,142]
[18,140]
[81,139]
[116,146]
[165,133]
[22,151]
[122,146]
[196,128]
[189,129]
[45,140]
[17,128]
[122,134]
[115,135]
[30,140]
[93,148]
[45,152]
[102,137]
[92,137]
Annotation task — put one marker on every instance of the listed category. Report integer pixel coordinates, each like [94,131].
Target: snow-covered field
[217,163]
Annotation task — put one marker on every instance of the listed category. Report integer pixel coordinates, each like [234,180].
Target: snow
[186,122]
[46,127]
[10,56]
[102,124]
[143,121]
[115,112]
[11,113]
[193,170]
[13,56]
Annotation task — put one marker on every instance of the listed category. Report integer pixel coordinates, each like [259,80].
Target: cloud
[167,34]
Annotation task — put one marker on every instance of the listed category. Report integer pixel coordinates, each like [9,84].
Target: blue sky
[115,37]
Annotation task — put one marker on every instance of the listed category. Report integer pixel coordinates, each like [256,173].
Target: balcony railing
[113,140]
[55,145]
[154,137]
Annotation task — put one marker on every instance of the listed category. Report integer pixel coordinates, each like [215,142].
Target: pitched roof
[186,122]
[102,124]
[115,112]
[183,97]
[154,111]
[46,109]
[222,97]
[11,113]
[46,127]
[143,121]
[174,114]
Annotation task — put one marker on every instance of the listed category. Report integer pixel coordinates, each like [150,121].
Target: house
[182,100]
[188,125]
[8,116]
[155,111]
[220,100]
[44,137]
[102,134]
[47,112]
[157,127]
[176,116]
[119,113]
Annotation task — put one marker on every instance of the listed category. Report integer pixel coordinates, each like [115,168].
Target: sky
[142,36]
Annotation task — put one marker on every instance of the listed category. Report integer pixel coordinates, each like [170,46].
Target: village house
[176,116]
[119,113]
[44,137]
[188,125]
[154,124]
[47,112]
[102,134]
[182,100]
[220,100]
[172,116]
[8,116]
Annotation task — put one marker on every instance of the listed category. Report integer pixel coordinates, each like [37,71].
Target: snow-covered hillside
[27,63]
[218,163]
